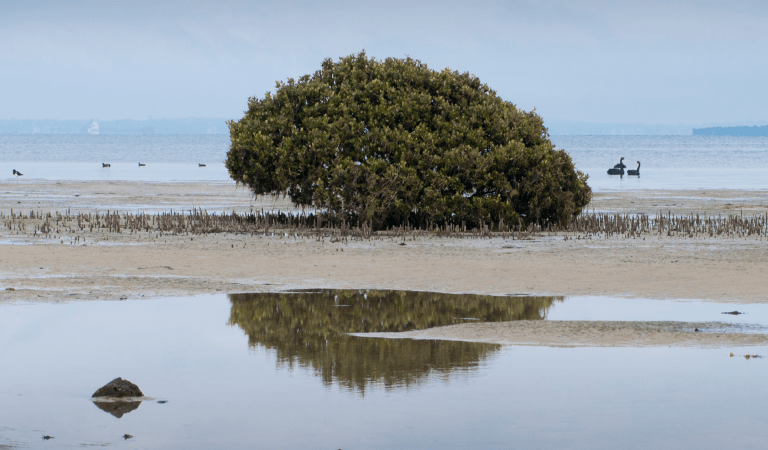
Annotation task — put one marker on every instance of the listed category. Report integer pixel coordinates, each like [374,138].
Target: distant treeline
[732,131]
[151,126]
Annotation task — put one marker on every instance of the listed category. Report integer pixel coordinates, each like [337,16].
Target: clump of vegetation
[393,142]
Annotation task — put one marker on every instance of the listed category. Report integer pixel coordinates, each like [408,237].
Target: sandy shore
[114,265]
[589,334]
[98,265]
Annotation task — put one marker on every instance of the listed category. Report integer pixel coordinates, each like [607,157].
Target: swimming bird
[141,165]
[615,171]
[17,173]
[201,165]
[106,165]
[634,172]
[620,165]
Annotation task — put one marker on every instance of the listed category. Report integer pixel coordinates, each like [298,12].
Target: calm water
[671,162]
[279,371]
[668,162]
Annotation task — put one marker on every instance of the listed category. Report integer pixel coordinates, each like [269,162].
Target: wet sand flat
[581,333]
[115,265]
[112,265]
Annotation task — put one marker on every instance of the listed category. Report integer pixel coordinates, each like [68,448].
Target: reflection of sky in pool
[255,384]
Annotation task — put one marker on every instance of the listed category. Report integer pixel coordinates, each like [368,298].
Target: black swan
[201,165]
[620,165]
[141,165]
[105,165]
[634,172]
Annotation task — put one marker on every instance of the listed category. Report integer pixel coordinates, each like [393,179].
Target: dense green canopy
[394,142]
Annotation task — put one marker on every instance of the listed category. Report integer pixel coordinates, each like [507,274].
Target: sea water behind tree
[669,162]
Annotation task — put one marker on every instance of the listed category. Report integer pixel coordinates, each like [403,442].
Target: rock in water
[118,388]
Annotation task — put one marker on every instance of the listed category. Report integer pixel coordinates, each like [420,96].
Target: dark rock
[117,409]
[118,388]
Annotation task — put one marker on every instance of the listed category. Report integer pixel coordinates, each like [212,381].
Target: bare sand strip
[588,334]
[113,265]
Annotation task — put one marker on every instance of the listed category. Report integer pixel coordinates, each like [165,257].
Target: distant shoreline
[732,131]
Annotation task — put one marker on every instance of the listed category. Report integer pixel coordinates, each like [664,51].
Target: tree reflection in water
[309,329]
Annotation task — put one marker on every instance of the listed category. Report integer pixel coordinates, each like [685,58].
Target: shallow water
[157,172]
[277,371]
[754,317]
[74,148]
[671,162]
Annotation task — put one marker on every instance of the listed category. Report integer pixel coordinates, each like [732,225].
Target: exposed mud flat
[115,265]
[590,334]
[101,265]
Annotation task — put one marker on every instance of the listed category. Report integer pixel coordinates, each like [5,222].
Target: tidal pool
[278,370]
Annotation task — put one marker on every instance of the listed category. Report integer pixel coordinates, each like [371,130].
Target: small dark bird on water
[106,165]
[46,437]
[201,165]
[141,165]
[17,173]
[633,171]
[127,436]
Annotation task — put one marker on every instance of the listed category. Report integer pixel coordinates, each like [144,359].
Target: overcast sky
[692,62]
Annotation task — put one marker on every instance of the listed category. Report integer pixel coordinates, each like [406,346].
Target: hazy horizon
[217,125]
[697,63]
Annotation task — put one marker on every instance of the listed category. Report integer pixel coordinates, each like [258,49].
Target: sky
[665,62]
